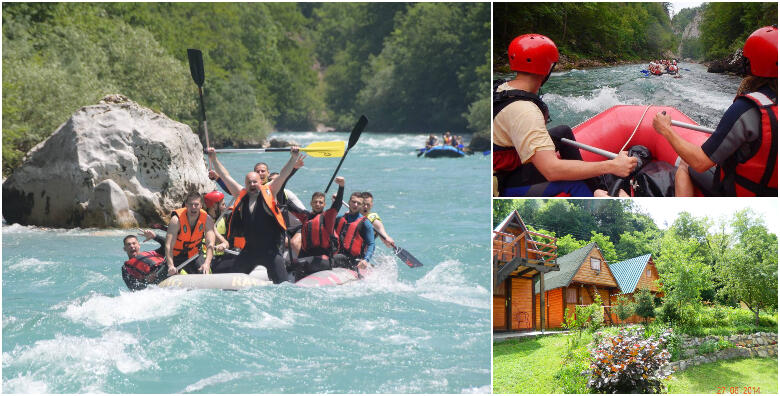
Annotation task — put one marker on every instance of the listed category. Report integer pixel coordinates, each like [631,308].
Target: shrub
[645,306]
[629,363]
[624,308]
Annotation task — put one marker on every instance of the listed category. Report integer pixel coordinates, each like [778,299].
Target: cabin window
[649,274]
[571,296]
[595,264]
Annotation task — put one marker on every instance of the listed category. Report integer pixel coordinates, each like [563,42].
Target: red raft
[610,130]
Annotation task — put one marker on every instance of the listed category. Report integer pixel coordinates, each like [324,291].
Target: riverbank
[567,63]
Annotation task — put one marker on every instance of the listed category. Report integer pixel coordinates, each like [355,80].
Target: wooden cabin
[518,256]
[583,273]
[633,275]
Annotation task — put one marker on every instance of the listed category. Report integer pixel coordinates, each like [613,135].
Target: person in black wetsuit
[257,218]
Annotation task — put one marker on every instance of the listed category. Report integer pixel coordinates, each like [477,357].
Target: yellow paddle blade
[325,149]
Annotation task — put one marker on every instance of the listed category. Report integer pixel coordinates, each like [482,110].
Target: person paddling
[529,160]
[376,221]
[740,158]
[189,227]
[141,268]
[355,237]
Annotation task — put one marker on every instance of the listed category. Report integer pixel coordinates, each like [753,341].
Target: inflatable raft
[443,151]
[611,129]
[258,278]
[214,281]
[333,277]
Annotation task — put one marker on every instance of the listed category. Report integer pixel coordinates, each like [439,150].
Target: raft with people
[442,151]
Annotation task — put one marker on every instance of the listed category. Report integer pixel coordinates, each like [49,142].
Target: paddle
[691,126]
[162,273]
[196,69]
[353,138]
[592,149]
[316,149]
[399,252]
[422,151]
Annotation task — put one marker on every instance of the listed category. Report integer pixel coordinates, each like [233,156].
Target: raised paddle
[316,149]
[399,252]
[196,69]
[353,138]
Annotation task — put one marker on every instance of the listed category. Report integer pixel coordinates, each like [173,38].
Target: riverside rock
[114,164]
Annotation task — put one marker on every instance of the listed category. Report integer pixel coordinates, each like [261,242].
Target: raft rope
[635,129]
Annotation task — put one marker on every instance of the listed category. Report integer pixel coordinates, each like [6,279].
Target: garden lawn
[738,373]
[539,365]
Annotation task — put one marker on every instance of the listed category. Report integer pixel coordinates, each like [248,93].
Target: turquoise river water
[574,96]
[71,326]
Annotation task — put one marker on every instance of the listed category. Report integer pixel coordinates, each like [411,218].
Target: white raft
[232,281]
[258,278]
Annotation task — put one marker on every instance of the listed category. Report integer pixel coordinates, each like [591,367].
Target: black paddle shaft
[195,57]
[353,138]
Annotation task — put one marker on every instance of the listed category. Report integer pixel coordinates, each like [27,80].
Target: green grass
[542,365]
[738,374]
[539,365]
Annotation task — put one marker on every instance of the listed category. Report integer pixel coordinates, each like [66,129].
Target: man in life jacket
[317,233]
[376,221]
[355,237]
[740,158]
[526,158]
[257,221]
[186,232]
[141,268]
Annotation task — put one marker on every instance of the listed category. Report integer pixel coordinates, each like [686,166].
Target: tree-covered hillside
[602,31]
[724,27]
[289,66]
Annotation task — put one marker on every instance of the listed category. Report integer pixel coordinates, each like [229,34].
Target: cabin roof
[628,272]
[569,264]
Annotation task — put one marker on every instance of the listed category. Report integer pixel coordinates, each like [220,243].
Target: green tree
[624,308]
[749,271]
[605,245]
[682,270]
[645,306]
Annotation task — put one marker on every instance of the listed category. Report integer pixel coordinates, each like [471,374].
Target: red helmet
[761,51]
[213,198]
[532,53]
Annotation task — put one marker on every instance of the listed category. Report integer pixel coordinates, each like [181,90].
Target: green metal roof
[569,264]
[628,272]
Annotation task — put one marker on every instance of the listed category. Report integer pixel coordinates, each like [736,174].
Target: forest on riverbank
[420,68]
[722,27]
[593,34]
[606,32]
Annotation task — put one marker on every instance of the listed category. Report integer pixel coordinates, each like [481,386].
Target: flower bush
[628,362]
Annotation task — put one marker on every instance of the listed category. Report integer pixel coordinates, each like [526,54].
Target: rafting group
[737,158]
[451,146]
[660,66]
[266,225]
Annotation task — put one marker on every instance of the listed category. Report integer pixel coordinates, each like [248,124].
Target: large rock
[732,64]
[114,164]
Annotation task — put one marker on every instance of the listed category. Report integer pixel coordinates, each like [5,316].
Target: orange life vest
[315,238]
[189,238]
[234,235]
[351,242]
[143,264]
[758,175]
